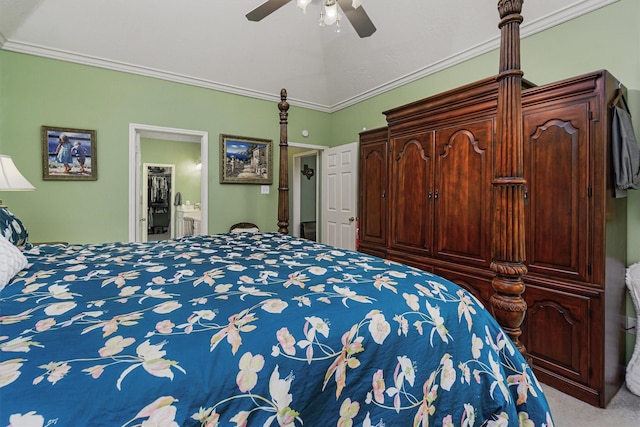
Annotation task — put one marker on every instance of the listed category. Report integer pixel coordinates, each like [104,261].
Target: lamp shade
[10,177]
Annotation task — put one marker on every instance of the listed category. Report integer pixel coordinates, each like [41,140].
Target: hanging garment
[624,149]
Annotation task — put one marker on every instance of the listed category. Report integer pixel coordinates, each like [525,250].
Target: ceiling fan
[356,15]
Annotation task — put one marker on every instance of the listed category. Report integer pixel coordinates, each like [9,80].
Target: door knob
[352,219]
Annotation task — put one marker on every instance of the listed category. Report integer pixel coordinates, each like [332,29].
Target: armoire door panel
[556,332]
[373,209]
[556,170]
[462,189]
[412,193]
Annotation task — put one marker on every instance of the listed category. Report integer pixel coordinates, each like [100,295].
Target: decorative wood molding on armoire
[425,200]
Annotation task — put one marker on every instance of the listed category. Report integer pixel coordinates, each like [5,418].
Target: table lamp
[10,177]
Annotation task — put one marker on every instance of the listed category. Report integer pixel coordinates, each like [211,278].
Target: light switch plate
[264,189]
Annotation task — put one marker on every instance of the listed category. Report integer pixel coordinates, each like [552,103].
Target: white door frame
[137,131]
[145,206]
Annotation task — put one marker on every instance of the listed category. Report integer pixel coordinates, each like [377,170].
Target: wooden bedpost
[508,185]
[283,183]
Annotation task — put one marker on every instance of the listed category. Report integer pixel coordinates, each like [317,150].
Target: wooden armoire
[425,200]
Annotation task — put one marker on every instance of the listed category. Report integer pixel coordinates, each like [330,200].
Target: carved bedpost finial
[510,7]
[508,185]
[283,181]
[283,105]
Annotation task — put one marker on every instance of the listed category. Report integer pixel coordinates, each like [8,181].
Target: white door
[339,195]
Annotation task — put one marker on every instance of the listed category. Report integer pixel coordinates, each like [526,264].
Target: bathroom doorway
[141,131]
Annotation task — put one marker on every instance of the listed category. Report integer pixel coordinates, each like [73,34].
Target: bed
[251,329]
[257,328]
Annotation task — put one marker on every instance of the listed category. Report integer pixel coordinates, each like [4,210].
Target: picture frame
[69,154]
[245,160]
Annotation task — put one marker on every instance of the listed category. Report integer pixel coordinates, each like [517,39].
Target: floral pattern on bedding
[251,329]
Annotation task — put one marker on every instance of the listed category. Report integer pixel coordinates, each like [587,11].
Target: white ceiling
[210,43]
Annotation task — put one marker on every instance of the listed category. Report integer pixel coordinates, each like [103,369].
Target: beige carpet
[622,411]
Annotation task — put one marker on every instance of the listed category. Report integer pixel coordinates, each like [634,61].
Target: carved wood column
[283,182]
[508,185]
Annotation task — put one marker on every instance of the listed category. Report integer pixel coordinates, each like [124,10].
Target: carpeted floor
[156,237]
[622,411]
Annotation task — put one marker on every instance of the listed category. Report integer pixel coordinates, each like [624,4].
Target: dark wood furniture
[241,226]
[373,192]
[425,200]
[308,230]
[577,231]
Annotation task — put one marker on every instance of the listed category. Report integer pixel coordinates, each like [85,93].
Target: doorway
[306,195]
[297,152]
[137,227]
[336,192]
[158,212]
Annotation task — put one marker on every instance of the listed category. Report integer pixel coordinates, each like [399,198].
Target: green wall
[37,91]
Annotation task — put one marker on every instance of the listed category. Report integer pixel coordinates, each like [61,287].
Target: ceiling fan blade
[265,9]
[358,18]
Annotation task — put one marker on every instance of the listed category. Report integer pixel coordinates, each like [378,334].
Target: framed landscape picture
[245,160]
[68,154]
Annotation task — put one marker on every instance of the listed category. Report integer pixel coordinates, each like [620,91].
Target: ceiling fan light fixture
[352,9]
[331,13]
[302,4]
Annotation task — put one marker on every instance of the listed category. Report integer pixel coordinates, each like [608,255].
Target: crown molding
[527,29]
[93,61]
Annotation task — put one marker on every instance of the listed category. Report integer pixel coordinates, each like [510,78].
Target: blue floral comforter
[250,330]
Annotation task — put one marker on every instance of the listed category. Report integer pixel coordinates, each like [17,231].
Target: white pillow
[12,261]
